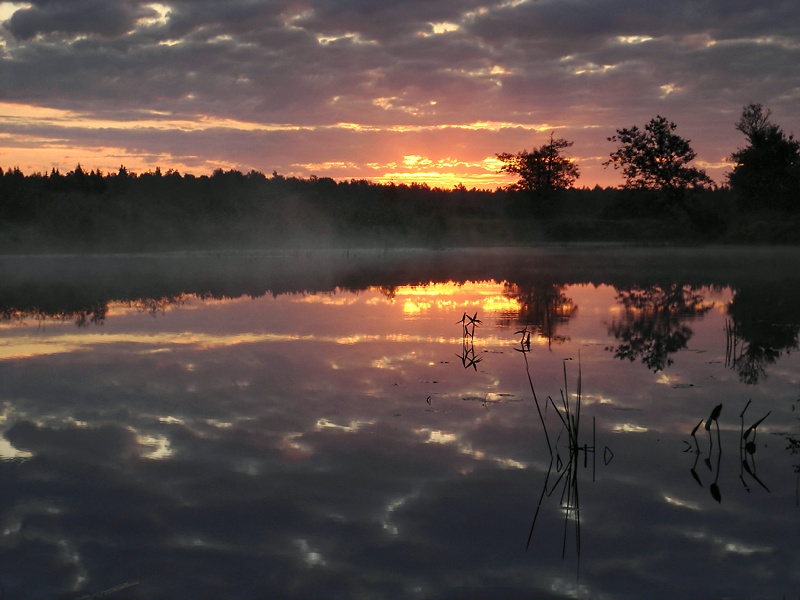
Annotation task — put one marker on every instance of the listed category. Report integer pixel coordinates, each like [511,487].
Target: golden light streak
[481,181]
[26,114]
[440,437]
[25,347]
[328,166]
[669,88]
[629,428]
[351,427]
[12,113]
[633,39]
[39,153]
[484,297]
[593,69]
[722,163]
[501,304]
[444,27]
[447,289]
[7,9]
[414,308]
[62,156]
[327,300]
[350,340]
[30,346]
[9,452]
[162,14]
[155,447]
[681,503]
[665,379]
[21,341]
[444,173]
[413,160]
[782,42]
[353,38]
[490,72]
[291,19]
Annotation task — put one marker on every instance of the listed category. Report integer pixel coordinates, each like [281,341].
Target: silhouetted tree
[655,158]
[544,169]
[766,173]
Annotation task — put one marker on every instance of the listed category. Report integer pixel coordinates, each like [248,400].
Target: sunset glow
[483,297]
[424,94]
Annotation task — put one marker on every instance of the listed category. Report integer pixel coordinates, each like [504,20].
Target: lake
[586,422]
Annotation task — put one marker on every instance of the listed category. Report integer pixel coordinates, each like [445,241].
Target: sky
[412,91]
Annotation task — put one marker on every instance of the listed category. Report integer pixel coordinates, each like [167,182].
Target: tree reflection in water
[92,313]
[653,326]
[543,307]
[794,448]
[764,323]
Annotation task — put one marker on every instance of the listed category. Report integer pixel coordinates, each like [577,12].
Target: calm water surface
[537,437]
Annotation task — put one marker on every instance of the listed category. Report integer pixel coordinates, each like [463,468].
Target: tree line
[663,199]
[765,174]
[125,211]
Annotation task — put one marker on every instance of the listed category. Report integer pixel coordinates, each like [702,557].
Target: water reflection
[793,447]
[712,453]
[84,315]
[467,356]
[653,327]
[712,450]
[317,443]
[654,324]
[764,324]
[747,450]
[567,440]
[543,306]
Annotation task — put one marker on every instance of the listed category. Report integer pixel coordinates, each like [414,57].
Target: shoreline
[269,251]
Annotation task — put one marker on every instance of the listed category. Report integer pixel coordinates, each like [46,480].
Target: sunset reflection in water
[339,443]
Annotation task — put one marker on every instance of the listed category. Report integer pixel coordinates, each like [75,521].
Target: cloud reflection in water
[285,447]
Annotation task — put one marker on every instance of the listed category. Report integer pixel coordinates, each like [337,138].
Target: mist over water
[377,424]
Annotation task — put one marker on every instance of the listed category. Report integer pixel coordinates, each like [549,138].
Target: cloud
[583,67]
[82,17]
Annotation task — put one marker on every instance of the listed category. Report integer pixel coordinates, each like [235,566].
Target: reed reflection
[654,327]
[565,447]
[467,356]
[713,419]
[747,450]
[713,452]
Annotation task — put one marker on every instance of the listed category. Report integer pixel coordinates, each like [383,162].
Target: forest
[664,200]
